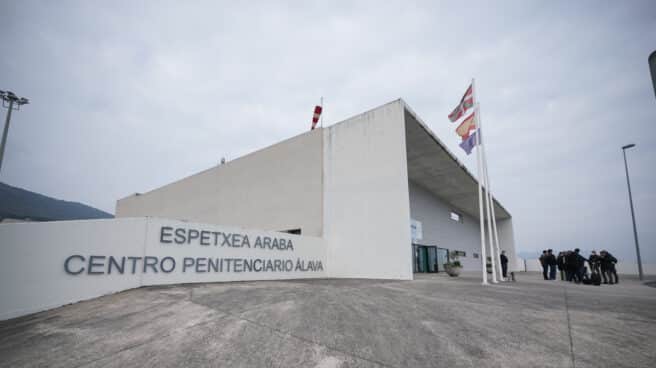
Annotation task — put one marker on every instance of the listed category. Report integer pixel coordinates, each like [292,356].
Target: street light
[652,69]
[635,232]
[11,102]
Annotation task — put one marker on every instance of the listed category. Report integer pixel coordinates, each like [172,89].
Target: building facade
[375,196]
[385,194]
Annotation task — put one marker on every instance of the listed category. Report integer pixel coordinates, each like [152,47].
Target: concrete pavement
[433,321]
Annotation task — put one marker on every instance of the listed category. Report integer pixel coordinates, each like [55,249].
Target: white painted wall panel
[305,248]
[367,215]
[33,276]
[440,230]
[507,242]
[276,188]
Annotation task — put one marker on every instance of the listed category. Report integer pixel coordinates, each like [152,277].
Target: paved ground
[434,321]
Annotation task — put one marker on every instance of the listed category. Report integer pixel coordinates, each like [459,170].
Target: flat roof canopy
[432,166]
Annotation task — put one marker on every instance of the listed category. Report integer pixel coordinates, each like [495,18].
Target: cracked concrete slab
[433,321]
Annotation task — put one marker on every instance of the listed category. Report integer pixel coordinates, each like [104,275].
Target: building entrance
[442,258]
[429,258]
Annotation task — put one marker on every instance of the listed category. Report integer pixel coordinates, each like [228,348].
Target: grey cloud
[129,96]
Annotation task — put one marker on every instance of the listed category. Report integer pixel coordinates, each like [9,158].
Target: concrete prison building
[375,196]
[382,191]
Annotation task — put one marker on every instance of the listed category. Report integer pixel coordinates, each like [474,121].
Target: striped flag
[468,144]
[465,104]
[316,116]
[467,126]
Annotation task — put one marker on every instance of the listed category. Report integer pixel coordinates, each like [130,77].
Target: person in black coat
[580,265]
[551,262]
[570,266]
[560,262]
[595,263]
[608,267]
[545,265]
[504,264]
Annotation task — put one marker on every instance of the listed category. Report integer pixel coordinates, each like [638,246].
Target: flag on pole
[467,126]
[315,117]
[468,144]
[466,102]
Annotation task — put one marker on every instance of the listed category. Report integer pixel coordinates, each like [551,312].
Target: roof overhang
[432,166]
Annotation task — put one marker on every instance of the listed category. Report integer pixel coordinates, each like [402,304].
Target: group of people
[572,267]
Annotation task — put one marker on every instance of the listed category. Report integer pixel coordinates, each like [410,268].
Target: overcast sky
[130,95]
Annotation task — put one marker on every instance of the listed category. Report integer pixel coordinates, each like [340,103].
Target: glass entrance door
[442,258]
[425,258]
[432,258]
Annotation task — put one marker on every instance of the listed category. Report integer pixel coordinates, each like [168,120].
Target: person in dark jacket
[603,266]
[545,265]
[595,263]
[580,265]
[551,262]
[570,265]
[504,264]
[608,267]
[560,262]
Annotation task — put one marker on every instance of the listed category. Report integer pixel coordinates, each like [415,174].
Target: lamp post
[652,69]
[635,231]
[11,102]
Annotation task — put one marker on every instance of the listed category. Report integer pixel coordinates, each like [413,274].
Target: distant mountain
[17,203]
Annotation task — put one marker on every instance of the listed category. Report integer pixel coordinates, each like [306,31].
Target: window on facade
[460,253]
[475,255]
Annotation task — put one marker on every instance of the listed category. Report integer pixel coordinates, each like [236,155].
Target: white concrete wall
[366,204]
[32,267]
[276,188]
[507,242]
[440,230]
[32,276]
[531,265]
[631,268]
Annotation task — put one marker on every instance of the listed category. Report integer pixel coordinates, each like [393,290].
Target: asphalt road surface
[433,321]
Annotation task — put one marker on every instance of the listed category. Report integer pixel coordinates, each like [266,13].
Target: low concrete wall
[624,268]
[49,264]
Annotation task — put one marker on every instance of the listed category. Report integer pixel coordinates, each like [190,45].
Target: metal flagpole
[480,208]
[322,111]
[493,253]
[496,260]
[494,218]
[487,197]
[480,193]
